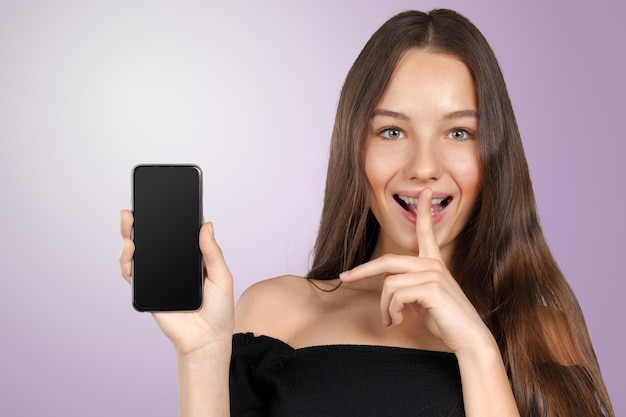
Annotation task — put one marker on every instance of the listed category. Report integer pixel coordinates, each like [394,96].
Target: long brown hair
[501,258]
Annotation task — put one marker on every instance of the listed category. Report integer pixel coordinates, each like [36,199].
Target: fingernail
[344,275]
[210,229]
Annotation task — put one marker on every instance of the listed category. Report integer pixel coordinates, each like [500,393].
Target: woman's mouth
[410,203]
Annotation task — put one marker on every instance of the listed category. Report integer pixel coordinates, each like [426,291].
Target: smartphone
[167,271]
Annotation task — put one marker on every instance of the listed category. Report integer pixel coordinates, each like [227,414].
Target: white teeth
[412,200]
[436,206]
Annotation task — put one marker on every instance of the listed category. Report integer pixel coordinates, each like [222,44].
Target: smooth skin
[405,296]
[422,134]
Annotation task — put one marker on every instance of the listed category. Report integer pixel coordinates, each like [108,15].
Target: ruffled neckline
[272,354]
[242,339]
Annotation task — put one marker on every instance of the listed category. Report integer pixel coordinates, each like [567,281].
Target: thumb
[214,263]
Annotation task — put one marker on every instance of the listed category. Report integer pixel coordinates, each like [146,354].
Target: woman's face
[421,135]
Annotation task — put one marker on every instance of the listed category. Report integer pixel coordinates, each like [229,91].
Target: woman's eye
[392,133]
[460,135]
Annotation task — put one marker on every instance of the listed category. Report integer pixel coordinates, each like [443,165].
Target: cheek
[470,181]
[464,166]
[369,164]
[381,161]
[376,172]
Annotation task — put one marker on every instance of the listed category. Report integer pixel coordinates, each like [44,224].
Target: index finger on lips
[426,240]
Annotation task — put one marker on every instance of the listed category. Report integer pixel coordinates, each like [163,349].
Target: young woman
[432,289]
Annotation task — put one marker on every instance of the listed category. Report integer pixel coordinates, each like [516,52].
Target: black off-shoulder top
[271,379]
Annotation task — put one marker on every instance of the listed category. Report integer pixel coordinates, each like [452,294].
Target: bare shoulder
[275,307]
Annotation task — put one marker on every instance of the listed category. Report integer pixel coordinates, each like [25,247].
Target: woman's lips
[410,203]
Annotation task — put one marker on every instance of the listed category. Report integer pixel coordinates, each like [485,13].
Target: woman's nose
[423,163]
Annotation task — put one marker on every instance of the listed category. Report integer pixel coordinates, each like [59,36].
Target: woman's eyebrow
[448,116]
[389,113]
[461,114]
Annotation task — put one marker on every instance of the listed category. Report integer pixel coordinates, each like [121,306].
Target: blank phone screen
[167,264]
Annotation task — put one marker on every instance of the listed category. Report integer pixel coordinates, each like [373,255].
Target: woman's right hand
[211,325]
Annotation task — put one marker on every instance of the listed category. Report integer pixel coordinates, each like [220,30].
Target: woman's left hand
[425,283]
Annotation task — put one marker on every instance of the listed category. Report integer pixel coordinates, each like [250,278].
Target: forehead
[429,80]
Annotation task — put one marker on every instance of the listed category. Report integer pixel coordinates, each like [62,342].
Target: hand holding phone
[213,323]
[167,272]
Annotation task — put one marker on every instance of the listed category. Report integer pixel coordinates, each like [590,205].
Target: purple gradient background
[248,91]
